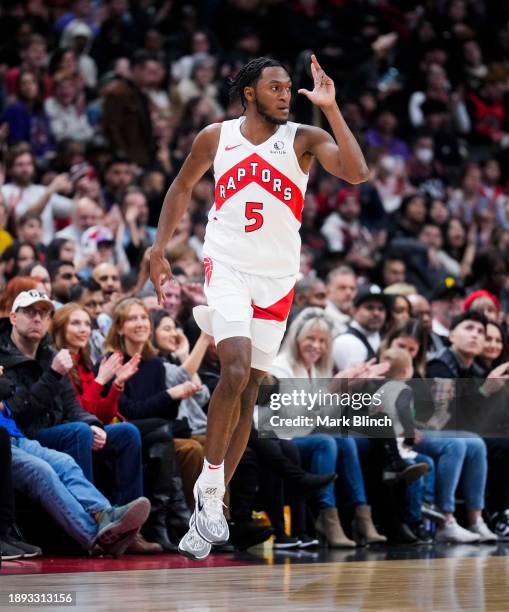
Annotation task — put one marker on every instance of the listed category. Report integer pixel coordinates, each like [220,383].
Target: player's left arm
[341,155]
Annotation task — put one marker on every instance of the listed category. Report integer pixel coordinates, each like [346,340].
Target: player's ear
[249,94]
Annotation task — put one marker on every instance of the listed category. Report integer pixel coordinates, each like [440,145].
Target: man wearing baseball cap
[446,303]
[41,396]
[45,406]
[362,338]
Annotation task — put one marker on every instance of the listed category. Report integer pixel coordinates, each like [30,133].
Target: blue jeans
[123,449]
[349,470]
[55,479]
[319,454]
[457,454]
[421,490]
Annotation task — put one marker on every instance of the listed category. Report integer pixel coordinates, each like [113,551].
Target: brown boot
[363,528]
[328,526]
[140,546]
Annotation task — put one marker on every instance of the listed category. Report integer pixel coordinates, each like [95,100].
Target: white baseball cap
[27,298]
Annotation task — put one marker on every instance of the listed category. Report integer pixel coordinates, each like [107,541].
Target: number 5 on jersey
[252,214]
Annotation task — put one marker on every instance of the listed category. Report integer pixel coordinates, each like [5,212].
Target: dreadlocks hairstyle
[248,76]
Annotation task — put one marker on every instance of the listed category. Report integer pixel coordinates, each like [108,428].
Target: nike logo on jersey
[229,148]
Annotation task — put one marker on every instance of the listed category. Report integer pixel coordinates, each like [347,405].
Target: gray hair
[300,326]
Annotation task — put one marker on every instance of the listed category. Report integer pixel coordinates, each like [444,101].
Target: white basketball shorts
[248,305]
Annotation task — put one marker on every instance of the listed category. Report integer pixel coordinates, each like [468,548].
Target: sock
[212,475]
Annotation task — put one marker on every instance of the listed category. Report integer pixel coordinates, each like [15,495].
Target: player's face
[272,95]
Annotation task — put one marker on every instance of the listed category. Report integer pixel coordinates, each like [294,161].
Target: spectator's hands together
[99,440]
[109,368]
[129,369]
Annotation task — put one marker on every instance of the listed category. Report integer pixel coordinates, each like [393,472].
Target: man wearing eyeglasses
[45,406]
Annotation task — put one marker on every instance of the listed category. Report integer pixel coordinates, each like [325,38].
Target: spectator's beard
[262,111]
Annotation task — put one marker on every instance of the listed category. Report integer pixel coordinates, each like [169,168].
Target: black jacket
[42,397]
[465,408]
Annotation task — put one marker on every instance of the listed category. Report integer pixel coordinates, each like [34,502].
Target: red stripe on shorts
[275,312]
[208,264]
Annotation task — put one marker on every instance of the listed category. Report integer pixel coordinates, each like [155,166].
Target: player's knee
[236,375]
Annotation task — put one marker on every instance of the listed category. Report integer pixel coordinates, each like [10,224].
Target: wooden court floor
[462,584]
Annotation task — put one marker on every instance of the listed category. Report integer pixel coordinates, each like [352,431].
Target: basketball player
[251,253]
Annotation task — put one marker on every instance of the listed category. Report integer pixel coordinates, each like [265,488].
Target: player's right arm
[177,199]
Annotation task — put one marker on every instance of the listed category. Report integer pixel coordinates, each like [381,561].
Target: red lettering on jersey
[275,312]
[254,169]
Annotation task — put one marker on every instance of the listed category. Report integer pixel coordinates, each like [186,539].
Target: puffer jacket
[42,397]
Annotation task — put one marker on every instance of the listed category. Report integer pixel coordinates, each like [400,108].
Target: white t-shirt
[348,350]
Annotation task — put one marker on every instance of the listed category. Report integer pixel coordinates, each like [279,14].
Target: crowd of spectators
[99,105]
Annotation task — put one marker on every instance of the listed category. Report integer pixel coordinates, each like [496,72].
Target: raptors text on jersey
[254,223]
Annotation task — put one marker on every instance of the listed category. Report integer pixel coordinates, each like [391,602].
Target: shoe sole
[10,557]
[286,546]
[132,520]
[190,555]
[119,547]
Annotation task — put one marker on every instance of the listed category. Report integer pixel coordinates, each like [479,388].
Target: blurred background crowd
[100,102]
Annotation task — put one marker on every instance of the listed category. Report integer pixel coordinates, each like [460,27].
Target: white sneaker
[452,532]
[193,546]
[210,522]
[483,531]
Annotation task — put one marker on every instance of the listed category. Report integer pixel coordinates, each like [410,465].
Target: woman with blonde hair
[146,394]
[99,391]
[307,353]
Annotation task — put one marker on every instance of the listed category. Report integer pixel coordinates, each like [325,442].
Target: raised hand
[324,92]
[109,367]
[129,369]
[182,349]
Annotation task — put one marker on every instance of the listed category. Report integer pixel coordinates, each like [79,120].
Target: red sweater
[104,408]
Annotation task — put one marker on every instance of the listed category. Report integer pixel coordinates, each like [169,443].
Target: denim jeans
[457,454]
[420,490]
[55,479]
[349,470]
[319,454]
[122,450]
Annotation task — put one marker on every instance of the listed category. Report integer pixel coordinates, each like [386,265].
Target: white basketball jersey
[254,223]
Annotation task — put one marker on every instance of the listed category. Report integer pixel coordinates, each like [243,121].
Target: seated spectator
[88,294]
[393,270]
[63,278]
[66,109]
[383,136]
[108,277]
[341,290]
[61,249]
[11,544]
[306,353]
[22,195]
[361,340]
[446,303]
[99,394]
[455,406]
[146,394]
[29,229]
[26,118]
[87,213]
[16,257]
[182,365]
[398,309]
[484,302]
[44,397]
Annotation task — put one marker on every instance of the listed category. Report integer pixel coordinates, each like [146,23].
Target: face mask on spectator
[389,163]
[424,155]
